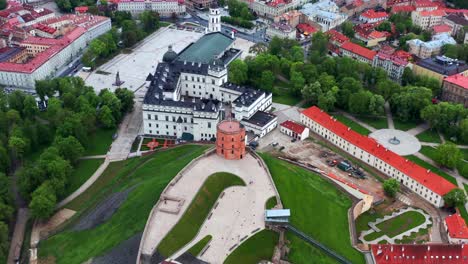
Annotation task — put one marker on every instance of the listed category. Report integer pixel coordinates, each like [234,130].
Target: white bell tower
[214,22]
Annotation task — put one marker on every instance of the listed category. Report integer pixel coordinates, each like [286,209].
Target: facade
[440,29]
[292,18]
[165,8]
[430,48]
[419,254]
[214,19]
[371,37]
[273,8]
[352,50]
[455,89]
[440,67]
[428,185]
[188,92]
[325,13]
[393,65]
[294,130]
[457,22]
[198,4]
[371,16]
[456,229]
[427,19]
[281,30]
[230,140]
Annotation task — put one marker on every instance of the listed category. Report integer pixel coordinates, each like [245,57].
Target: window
[186,78]
[173,119]
[155,117]
[209,124]
[149,116]
[212,81]
[167,127]
[174,127]
[167,118]
[149,124]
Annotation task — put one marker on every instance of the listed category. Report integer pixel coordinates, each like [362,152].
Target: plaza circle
[408,144]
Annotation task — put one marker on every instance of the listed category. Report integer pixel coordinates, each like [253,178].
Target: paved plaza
[239,212]
[398,141]
[135,67]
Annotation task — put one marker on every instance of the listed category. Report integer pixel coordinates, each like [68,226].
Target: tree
[43,201]
[464,130]
[267,81]
[238,71]
[448,155]
[30,107]
[347,29]
[384,26]
[126,99]
[444,116]
[4,243]
[312,92]
[4,160]
[319,44]
[69,148]
[391,187]
[150,21]
[408,104]
[106,118]
[455,197]
[297,82]
[129,38]
[18,146]
[110,100]
[326,101]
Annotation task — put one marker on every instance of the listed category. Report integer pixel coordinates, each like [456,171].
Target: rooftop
[443,65]
[371,13]
[358,50]
[441,28]
[260,118]
[420,254]
[425,177]
[456,226]
[432,13]
[206,48]
[278,213]
[230,126]
[458,79]
[295,127]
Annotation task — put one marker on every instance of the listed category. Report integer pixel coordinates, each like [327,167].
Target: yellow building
[440,67]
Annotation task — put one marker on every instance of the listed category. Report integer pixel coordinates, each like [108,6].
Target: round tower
[230,140]
[214,22]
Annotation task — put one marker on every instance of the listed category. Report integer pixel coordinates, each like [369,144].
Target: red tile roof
[425,3]
[395,60]
[458,79]
[403,54]
[337,36]
[358,50]
[456,226]
[432,13]
[306,28]
[420,254]
[441,28]
[425,177]
[81,9]
[373,14]
[295,127]
[405,8]
[377,34]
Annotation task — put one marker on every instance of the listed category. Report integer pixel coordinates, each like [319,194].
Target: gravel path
[125,252]
[103,211]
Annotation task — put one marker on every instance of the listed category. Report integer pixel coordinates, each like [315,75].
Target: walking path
[18,235]
[388,112]
[93,157]
[419,129]
[371,128]
[431,144]
[391,240]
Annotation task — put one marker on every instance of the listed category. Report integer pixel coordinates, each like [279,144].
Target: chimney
[428,248]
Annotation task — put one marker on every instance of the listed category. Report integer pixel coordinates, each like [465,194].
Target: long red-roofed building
[353,50]
[456,229]
[430,186]
[420,254]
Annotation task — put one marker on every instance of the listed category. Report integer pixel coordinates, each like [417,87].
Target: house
[455,89]
[428,49]
[281,30]
[458,22]
[292,18]
[166,8]
[456,229]
[419,254]
[335,41]
[371,37]
[294,130]
[325,13]
[440,29]
[353,50]
[393,65]
[440,67]
[425,183]
[427,19]
[371,16]
[272,8]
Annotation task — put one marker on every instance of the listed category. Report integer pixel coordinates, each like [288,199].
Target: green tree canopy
[391,187]
[238,71]
[455,197]
[448,155]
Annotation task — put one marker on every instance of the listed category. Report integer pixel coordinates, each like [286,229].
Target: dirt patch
[125,252]
[103,211]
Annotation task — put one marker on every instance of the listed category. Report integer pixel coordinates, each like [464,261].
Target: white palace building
[430,186]
[189,93]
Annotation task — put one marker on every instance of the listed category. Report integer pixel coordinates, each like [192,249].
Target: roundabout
[397,141]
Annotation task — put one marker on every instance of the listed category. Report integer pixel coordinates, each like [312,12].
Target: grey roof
[457,19]
[206,48]
[443,65]
[278,213]
[260,118]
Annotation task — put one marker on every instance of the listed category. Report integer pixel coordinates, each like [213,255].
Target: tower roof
[170,55]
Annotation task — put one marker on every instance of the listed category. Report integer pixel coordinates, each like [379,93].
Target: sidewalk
[18,235]
[372,129]
[388,112]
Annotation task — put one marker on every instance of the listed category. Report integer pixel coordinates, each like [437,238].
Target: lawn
[81,173]
[428,151]
[149,176]
[198,247]
[377,122]
[404,125]
[283,96]
[350,123]
[99,142]
[187,227]
[429,136]
[426,165]
[271,202]
[401,223]
[258,247]
[365,218]
[318,209]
